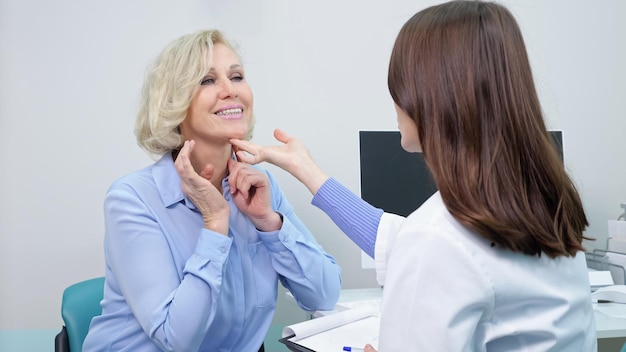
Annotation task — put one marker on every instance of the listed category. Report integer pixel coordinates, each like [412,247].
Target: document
[351,328]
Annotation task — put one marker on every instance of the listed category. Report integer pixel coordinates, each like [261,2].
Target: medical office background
[71,73]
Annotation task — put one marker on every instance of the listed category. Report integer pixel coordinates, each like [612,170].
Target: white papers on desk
[599,278]
[613,310]
[353,327]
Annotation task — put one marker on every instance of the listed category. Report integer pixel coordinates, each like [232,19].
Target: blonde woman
[196,243]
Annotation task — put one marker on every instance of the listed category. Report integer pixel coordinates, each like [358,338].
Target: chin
[243,134]
[410,147]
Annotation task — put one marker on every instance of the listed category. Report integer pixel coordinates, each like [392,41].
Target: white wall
[70,74]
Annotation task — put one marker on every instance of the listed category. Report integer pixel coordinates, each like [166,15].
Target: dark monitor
[398,181]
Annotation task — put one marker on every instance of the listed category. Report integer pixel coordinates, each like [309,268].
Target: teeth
[230,112]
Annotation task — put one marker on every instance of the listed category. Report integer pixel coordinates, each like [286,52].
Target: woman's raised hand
[208,199]
[250,189]
[292,156]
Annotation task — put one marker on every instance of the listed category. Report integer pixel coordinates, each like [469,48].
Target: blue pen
[348,348]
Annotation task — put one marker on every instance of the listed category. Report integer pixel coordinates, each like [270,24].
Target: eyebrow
[232,67]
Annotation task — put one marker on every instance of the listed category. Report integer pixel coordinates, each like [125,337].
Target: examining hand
[369,348]
[208,199]
[250,189]
[292,156]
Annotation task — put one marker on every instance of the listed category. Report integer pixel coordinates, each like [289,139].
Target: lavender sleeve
[354,216]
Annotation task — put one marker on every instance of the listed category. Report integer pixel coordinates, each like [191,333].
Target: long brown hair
[460,70]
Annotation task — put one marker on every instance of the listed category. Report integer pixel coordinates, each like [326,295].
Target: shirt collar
[168,182]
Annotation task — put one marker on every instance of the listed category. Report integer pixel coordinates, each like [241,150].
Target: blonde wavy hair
[170,84]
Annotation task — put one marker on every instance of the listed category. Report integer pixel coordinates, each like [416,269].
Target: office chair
[81,302]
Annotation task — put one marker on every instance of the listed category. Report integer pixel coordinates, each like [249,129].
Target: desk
[610,317]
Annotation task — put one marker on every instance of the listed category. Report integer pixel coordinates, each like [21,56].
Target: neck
[204,154]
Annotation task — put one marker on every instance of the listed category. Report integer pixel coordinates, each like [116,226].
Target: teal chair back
[81,302]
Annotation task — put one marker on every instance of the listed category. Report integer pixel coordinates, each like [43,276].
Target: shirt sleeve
[312,275]
[388,228]
[164,303]
[354,216]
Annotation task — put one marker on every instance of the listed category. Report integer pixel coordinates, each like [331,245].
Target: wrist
[314,179]
[273,222]
[217,225]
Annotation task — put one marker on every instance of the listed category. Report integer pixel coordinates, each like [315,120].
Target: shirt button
[223,249]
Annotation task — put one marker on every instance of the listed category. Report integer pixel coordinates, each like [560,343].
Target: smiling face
[222,106]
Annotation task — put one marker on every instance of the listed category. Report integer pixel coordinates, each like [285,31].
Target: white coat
[448,289]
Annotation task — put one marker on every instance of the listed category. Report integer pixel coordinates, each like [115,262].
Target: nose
[228,90]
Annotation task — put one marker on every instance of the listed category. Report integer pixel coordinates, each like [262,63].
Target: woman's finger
[369,348]
[282,136]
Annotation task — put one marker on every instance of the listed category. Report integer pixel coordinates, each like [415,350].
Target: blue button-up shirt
[173,285]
